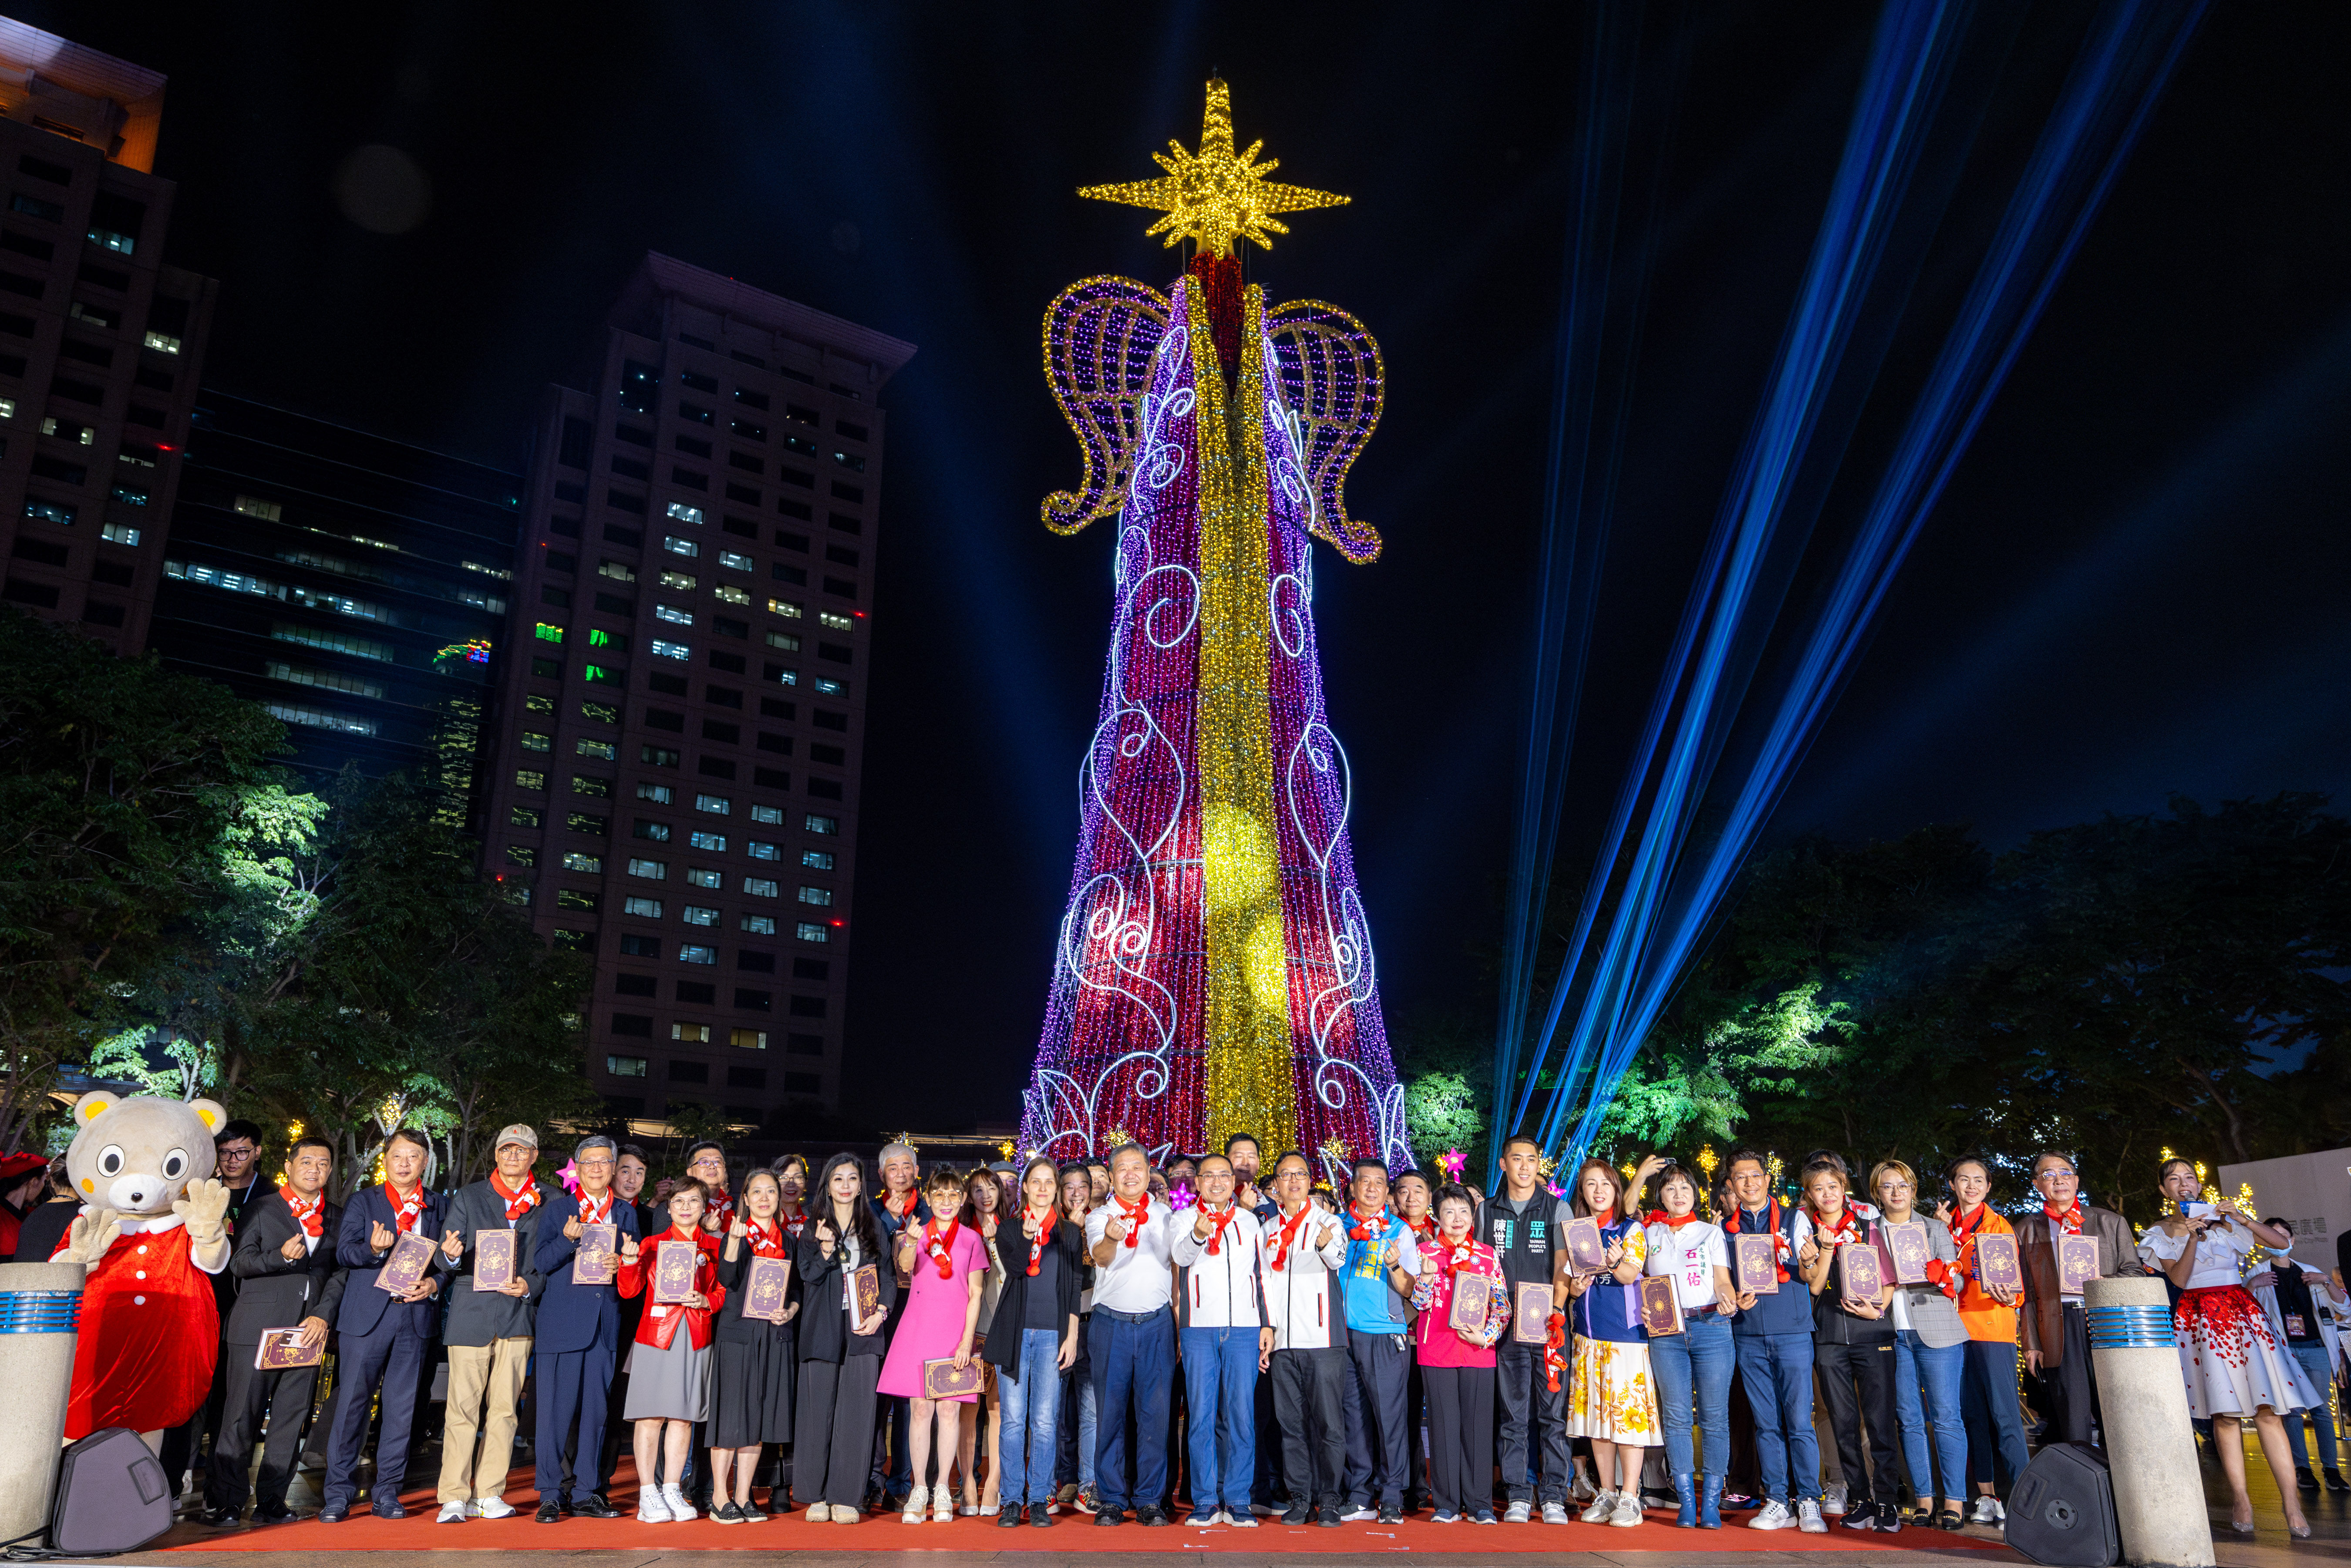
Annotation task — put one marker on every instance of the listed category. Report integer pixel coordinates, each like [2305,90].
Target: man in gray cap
[489,1329]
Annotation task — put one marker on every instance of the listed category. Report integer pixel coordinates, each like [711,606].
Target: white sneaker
[819,1513]
[1603,1505]
[1773,1515]
[650,1509]
[1582,1491]
[1359,1513]
[452,1513]
[1628,1509]
[1809,1519]
[918,1504]
[1517,1513]
[492,1507]
[1554,1513]
[1987,1510]
[675,1500]
[1834,1500]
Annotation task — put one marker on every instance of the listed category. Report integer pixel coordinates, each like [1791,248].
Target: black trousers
[1379,1457]
[1460,1414]
[285,1398]
[1857,1381]
[2073,1383]
[1527,1399]
[1310,1405]
[832,1432]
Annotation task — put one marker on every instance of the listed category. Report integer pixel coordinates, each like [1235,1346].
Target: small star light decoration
[1213,197]
[1115,1137]
[1452,1162]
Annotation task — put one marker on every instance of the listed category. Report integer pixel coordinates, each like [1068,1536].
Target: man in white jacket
[1304,1249]
[1226,1339]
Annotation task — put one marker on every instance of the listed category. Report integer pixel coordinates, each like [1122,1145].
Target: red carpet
[1074,1532]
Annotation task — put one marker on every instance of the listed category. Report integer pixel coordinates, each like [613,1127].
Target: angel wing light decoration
[1213,972]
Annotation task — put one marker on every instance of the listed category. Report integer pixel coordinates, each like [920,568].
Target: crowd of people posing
[1212,1341]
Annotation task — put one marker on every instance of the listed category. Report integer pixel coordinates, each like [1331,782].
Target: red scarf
[596,1210]
[1452,1257]
[1670,1221]
[2069,1220]
[310,1213]
[721,1206]
[1779,1248]
[766,1238]
[1137,1213]
[1368,1228]
[1287,1233]
[940,1244]
[1045,1222]
[1424,1226]
[890,1204]
[518,1202]
[793,1223]
[405,1211]
[1963,1239]
[1846,1221]
[1220,1219]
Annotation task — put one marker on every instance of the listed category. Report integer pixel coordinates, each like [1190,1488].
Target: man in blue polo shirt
[1382,1262]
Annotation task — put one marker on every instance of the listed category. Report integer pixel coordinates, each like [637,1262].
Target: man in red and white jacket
[1226,1336]
[1304,1250]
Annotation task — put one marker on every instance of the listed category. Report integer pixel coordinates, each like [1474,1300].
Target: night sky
[2136,585]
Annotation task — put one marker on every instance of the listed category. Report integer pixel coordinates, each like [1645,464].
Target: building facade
[101,343]
[358,586]
[673,755]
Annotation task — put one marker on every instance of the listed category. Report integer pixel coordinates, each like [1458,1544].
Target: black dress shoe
[219,1518]
[1150,1517]
[391,1508]
[550,1511]
[278,1515]
[1107,1515]
[588,1505]
[1040,1518]
[334,1513]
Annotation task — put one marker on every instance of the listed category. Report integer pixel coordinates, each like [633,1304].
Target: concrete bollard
[39,1305]
[2150,1439]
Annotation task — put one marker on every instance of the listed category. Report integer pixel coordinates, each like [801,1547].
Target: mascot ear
[90,1106]
[210,1111]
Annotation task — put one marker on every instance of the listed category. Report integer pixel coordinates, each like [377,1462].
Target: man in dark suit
[285,1261]
[489,1330]
[382,1335]
[236,1165]
[577,1340]
[2056,1335]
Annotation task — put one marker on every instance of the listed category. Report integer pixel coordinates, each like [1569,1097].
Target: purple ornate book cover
[598,1259]
[494,1259]
[2077,1262]
[1758,1260]
[674,1264]
[1661,1305]
[1907,1243]
[405,1264]
[1859,1279]
[1473,1296]
[868,1282]
[942,1380]
[1586,1253]
[1531,1315]
[1996,1264]
[765,1289]
[282,1350]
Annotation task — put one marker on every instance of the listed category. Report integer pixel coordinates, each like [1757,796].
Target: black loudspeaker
[112,1496]
[2062,1511]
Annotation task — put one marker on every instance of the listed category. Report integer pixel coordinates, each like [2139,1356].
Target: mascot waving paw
[148,1233]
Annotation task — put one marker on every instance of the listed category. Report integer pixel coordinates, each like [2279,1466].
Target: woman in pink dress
[947,1260]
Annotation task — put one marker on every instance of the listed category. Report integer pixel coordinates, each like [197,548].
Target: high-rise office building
[674,752]
[357,585]
[101,343]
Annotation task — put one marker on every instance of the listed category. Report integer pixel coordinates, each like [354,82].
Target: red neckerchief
[766,1238]
[518,1202]
[1222,1218]
[720,1204]
[1137,1213]
[1731,1226]
[1045,1222]
[1424,1226]
[890,1204]
[596,1210]
[310,1213]
[1285,1234]
[793,1223]
[1452,1257]
[2067,1219]
[1671,1222]
[940,1244]
[1369,1229]
[1846,1220]
[405,1211]
[1963,1238]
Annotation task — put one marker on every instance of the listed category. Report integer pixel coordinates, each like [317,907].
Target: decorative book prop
[405,1264]
[1859,1279]
[494,1259]
[1759,1264]
[1998,1268]
[1586,1253]
[1661,1305]
[867,1280]
[598,1261]
[674,1263]
[1531,1315]
[2077,1264]
[1473,1295]
[1907,1243]
[282,1350]
[942,1380]
[764,1290]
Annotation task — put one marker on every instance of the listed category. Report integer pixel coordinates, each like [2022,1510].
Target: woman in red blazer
[669,1365]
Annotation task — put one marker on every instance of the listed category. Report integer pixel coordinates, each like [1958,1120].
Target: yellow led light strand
[1249,1084]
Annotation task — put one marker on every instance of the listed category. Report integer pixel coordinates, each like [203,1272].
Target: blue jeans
[1133,1359]
[1988,1400]
[1941,1371]
[2313,1362]
[1697,1361]
[1026,1411]
[1220,1395]
[1777,1370]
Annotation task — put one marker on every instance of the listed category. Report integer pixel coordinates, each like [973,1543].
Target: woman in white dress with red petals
[2234,1366]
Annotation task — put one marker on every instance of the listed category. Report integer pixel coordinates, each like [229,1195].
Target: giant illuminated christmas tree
[1214,970]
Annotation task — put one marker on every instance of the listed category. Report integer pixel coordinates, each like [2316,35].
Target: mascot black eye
[175,1165]
[110,1160]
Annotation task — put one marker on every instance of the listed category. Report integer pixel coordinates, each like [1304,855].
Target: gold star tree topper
[1214,197]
